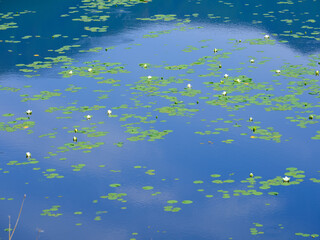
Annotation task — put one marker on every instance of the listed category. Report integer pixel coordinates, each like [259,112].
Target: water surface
[173,159]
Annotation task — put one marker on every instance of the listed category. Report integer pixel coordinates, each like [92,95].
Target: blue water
[172,164]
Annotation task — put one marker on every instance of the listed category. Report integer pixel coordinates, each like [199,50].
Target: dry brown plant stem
[9,227]
[15,226]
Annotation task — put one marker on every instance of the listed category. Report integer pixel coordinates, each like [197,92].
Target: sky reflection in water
[178,160]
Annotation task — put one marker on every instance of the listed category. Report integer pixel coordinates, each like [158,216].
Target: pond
[140,119]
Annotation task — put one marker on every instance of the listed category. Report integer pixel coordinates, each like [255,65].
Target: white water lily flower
[109,112]
[250,119]
[286,179]
[220,66]
[149,77]
[75,139]
[310,117]
[238,80]
[252,60]
[317,73]
[224,93]
[75,130]
[70,72]
[251,175]
[189,85]
[88,117]
[145,66]
[89,69]
[28,155]
[266,36]
[215,50]
[226,75]
[278,71]
[29,112]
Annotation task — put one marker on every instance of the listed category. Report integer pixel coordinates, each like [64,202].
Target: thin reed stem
[9,228]
[15,226]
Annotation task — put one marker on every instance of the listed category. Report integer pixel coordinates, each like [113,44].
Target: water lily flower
[266,36]
[286,179]
[250,119]
[189,85]
[252,60]
[75,139]
[28,155]
[224,93]
[317,73]
[239,41]
[75,130]
[70,72]
[29,112]
[215,50]
[221,81]
[278,71]
[220,66]
[145,66]
[89,69]
[238,80]
[88,117]
[251,175]
[109,112]
[149,77]
[226,75]
[310,117]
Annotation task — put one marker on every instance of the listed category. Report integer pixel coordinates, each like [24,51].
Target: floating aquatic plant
[286,179]
[29,112]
